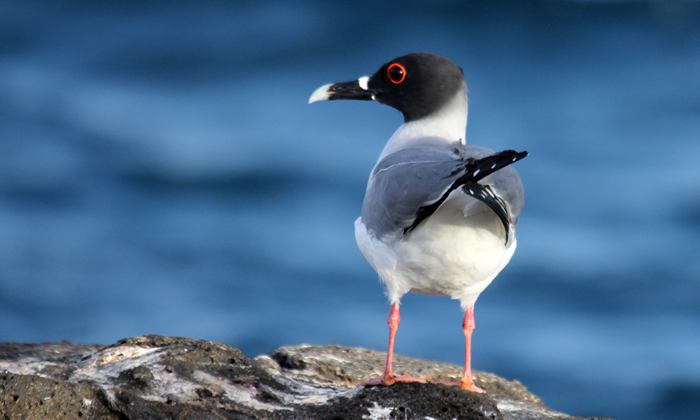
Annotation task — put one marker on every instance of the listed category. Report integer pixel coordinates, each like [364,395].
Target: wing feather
[408,186]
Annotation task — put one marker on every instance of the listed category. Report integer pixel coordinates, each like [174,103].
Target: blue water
[160,172]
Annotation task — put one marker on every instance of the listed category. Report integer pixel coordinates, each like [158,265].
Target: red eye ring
[402,71]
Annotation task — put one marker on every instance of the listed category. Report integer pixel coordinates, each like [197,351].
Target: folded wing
[408,186]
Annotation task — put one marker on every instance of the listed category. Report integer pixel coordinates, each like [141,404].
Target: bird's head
[417,84]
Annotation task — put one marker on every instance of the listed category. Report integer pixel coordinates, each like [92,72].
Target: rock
[36,397]
[156,377]
[336,365]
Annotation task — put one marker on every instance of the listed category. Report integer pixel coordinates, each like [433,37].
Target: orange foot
[390,379]
[465,384]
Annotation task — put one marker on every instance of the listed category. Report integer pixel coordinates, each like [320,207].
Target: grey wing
[402,183]
[408,186]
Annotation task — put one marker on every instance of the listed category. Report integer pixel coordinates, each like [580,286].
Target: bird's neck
[445,126]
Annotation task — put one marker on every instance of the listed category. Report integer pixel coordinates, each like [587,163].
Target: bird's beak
[357,89]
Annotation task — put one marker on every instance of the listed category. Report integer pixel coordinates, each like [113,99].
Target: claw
[465,384]
[469,386]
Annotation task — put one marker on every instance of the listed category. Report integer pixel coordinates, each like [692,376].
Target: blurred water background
[160,172]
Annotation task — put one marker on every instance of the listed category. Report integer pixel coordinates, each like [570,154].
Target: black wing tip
[504,158]
[486,195]
[516,156]
[475,170]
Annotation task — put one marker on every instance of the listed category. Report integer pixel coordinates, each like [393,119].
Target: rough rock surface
[157,377]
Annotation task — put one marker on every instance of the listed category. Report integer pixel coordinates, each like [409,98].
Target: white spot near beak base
[363,82]
[320,94]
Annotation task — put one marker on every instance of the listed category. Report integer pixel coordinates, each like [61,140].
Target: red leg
[467,382]
[388,377]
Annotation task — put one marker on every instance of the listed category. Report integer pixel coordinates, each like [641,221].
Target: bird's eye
[396,73]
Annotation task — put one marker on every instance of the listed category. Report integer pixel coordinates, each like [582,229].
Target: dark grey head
[416,84]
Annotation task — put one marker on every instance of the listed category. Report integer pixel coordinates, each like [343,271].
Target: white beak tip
[320,94]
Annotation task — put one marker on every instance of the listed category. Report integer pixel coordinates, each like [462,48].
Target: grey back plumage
[410,179]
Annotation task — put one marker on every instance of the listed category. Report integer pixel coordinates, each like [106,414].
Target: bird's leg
[388,377]
[467,382]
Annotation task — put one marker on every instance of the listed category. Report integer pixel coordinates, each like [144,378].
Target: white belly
[449,254]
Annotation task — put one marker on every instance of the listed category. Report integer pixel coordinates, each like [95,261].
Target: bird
[439,217]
